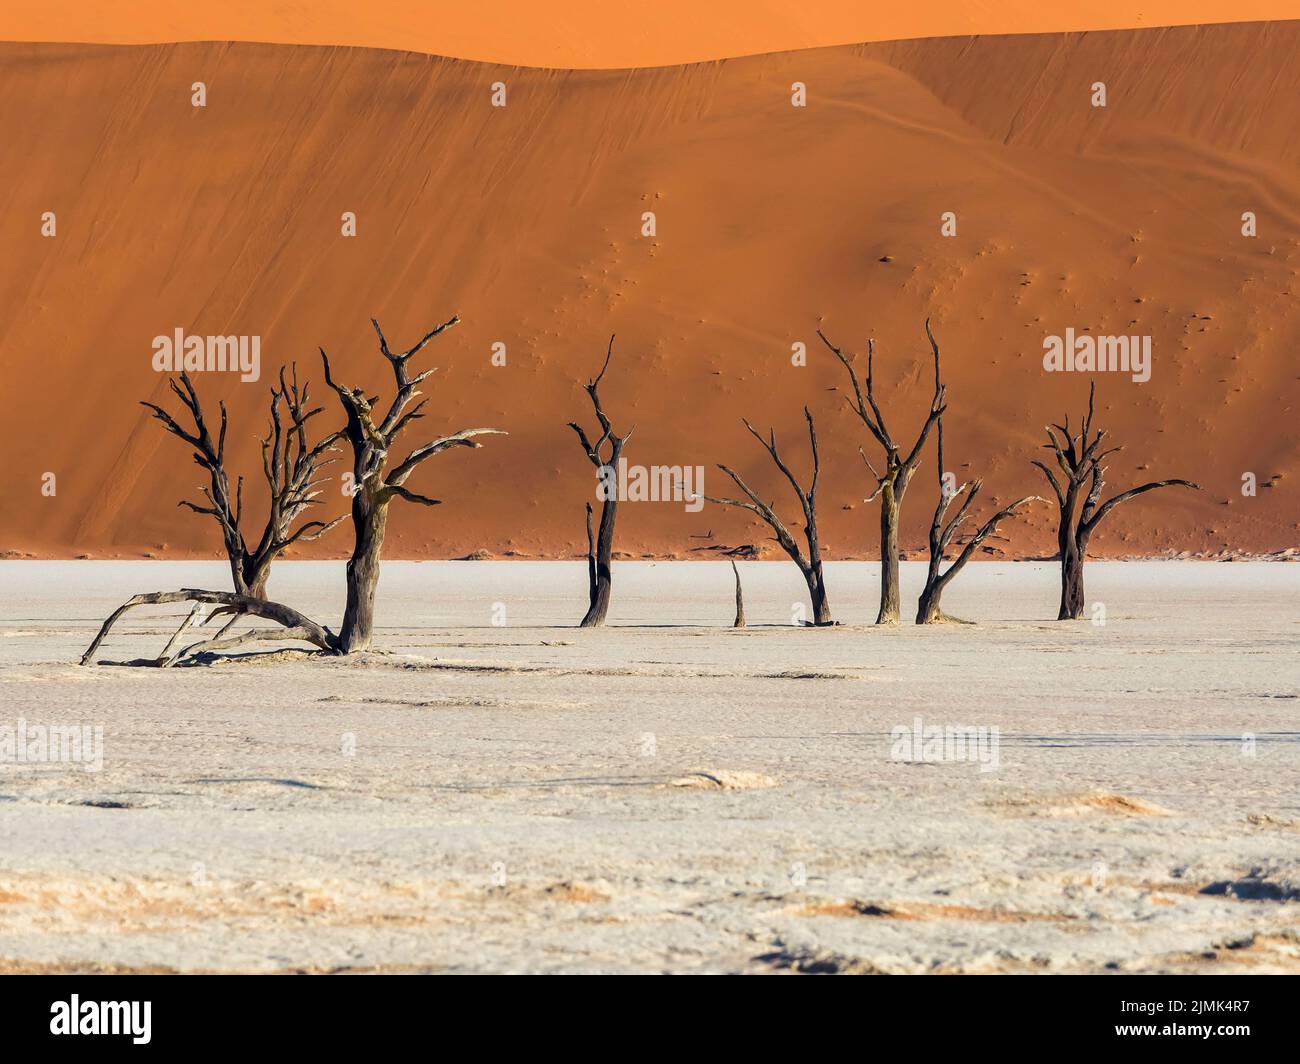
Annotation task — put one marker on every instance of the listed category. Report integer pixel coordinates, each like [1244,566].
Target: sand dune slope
[526,220]
[595,33]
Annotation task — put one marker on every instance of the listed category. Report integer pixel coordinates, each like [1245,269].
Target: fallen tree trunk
[295,625]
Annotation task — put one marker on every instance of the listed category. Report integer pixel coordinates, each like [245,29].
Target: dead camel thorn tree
[293,625]
[943,532]
[891,485]
[1080,458]
[600,546]
[290,463]
[810,565]
[375,485]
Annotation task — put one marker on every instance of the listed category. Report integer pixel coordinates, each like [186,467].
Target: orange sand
[525,220]
[595,33]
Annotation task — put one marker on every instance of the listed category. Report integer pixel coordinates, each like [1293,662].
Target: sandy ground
[504,798]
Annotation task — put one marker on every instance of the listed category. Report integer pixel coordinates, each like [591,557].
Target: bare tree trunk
[377,479]
[237,576]
[600,569]
[817,593]
[927,607]
[591,560]
[740,599]
[890,595]
[1071,586]
[603,572]
[257,584]
[369,521]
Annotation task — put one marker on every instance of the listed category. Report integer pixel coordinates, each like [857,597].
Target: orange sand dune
[526,220]
[595,33]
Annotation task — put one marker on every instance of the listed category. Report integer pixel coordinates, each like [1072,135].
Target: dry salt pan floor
[666,794]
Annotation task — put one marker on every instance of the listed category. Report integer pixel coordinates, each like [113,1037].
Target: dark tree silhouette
[944,531]
[290,464]
[1079,458]
[740,598]
[293,625]
[891,485]
[600,547]
[810,565]
[375,485]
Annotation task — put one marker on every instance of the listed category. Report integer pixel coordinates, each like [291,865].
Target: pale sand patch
[1082,805]
[1267,820]
[576,892]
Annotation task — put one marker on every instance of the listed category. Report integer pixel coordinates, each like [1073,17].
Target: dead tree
[740,598]
[810,565]
[290,464]
[600,547]
[891,485]
[1079,458]
[943,531]
[374,484]
[293,625]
